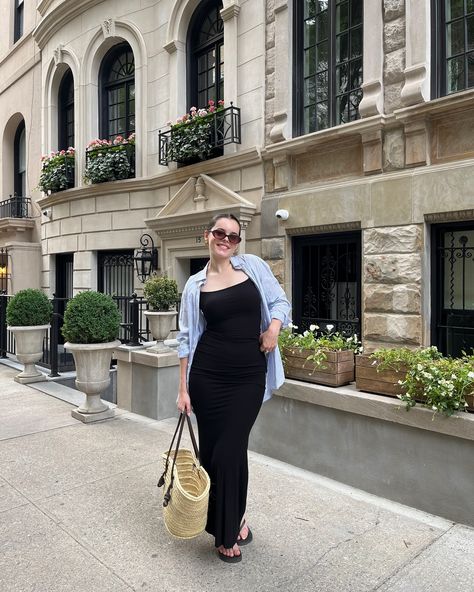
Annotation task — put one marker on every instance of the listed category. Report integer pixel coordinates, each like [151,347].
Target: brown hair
[217,217]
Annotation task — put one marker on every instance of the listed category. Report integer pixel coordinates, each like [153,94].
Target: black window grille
[452,46]
[66,112]
[327,282]
[206,55]
[453,293]
[18,20]
[328,43]
[19,160]
[117,78]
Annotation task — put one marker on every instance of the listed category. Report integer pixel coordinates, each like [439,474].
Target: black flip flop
[227,559]
[248,539]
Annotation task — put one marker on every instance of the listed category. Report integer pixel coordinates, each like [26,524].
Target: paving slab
[444,566]
[36,555]
[10,497]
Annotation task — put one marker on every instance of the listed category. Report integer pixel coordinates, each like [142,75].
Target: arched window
[117,92]
[206,55]
[66,112]
[19,161]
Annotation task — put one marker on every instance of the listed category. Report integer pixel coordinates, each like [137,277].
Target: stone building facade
[369,151]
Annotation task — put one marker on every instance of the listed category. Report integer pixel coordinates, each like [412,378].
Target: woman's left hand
[269,338]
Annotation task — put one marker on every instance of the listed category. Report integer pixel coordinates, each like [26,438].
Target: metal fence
[134,330]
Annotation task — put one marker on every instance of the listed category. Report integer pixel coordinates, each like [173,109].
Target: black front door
[453,288]
[327,281]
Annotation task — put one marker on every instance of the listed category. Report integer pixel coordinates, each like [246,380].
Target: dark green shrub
[161,292]
[28,308]
[91,317]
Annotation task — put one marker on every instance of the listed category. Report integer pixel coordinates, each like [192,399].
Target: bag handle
[179,428]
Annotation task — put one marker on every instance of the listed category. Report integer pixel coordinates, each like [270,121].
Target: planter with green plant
[108,160]
[57,171]
[28,318]
[323,358]
[161,294]
[91,327]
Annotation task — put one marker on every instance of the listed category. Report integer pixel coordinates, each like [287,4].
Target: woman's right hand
[184,402]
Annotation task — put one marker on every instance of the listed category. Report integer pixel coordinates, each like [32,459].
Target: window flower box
[321,358]
[370,378]
[108,160]
[200,134]
[57,171]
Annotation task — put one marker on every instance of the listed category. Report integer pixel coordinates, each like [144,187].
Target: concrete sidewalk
[80,511]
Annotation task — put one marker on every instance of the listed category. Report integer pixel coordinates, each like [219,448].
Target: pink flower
[202,112]
[221,102]
[193,109]
[211,102]
[212,109]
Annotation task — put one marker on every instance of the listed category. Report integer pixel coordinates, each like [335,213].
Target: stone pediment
[196,202]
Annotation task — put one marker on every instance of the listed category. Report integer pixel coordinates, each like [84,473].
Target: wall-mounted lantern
[146,258]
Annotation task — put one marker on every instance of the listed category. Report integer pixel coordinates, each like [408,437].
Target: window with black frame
[327,282]
[117,78]
[328,43]
[18,20]
[206,55]
[19,161]
[453,46]
[66,112]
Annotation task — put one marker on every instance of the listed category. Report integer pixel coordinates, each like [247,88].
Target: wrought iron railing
[16,206]
[223,127]
[115,172]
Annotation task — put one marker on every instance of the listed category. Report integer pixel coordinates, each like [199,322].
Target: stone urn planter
[161,293]
[336,370]
[92,362]
[28,318]
[161,323]
[91,326]
[29,351]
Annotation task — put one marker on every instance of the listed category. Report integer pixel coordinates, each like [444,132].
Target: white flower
[434,408]
[329,327]
[313,327]
[306,333]
[470,374]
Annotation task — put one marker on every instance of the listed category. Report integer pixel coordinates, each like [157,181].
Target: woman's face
[222,247]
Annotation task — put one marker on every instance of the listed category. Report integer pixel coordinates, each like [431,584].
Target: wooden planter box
[385,382]
[370,380]
[336,370]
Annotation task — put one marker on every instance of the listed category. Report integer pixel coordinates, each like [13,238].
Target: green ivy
[91,317]
[28,308]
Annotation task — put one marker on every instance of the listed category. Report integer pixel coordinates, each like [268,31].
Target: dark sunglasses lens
[234,239]
[220,234]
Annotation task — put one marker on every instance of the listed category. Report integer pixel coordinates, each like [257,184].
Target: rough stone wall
[394,52]
[273,252]
[269,67]
[392,291]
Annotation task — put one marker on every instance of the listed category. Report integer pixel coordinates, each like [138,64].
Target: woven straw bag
[186,492]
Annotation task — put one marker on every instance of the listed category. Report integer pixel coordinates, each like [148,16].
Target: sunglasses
[220,234]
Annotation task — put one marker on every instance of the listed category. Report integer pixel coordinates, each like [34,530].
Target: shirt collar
[200,276]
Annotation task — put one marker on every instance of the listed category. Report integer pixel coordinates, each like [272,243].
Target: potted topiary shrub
[91,326]
[161,294]
[28,318]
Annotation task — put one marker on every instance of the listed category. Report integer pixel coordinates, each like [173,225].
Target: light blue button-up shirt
[275,305]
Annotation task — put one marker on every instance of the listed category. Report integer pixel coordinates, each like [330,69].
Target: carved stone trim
[58,54]
[415,79]
[108,28]
[230,12]
[372,101]
[450,216]
[323,228]
[172,46]
[276,133]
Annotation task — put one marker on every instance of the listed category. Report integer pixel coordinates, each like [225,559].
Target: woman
[230,317]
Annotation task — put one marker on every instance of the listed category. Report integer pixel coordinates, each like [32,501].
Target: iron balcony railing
[223,128]
[103,151]
[16,206]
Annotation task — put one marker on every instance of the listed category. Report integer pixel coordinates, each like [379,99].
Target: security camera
[282,214]
[47,213]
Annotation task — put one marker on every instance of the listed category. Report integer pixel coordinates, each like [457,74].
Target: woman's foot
[232,555]
[245,534]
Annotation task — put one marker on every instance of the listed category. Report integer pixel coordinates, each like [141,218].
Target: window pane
[322,90]
[342,48]
[342,17]
[470,70]
[455,74]
[309,91]
[322,25]
[455,38]
[470,33]
[356,73]
[322,116]
[342,82]
[342,109]
[469,6]
[454,8]
[309,62]
[356,12]
[356,43]
[309,33]
[322,52]
[309,119]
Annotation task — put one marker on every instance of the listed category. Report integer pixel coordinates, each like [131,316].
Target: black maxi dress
[226,387]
